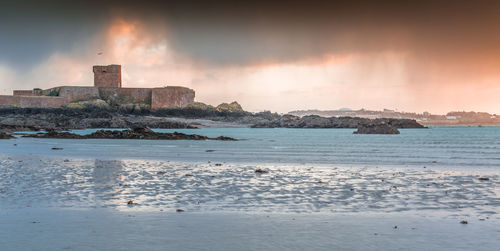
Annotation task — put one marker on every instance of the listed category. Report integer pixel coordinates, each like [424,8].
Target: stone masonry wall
[107,76]
[171,96]
[136,95]
[34,101]
[23,93]
[73,93]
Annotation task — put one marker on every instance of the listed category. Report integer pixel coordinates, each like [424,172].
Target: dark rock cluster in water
[377,129]
[4,135]
[314,121]
[135,133]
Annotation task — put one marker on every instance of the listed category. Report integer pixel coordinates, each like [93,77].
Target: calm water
[457,147]
[326,189]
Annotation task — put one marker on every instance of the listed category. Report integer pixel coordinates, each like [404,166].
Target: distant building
[107,85]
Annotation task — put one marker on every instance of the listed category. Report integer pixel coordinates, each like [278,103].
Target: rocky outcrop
[35,119]
[4,135]
[12,119]
[231,107]
[381,128]
[314,121]
[89,104]
[135,133]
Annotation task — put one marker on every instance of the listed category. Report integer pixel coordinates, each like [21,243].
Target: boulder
[231,107]
[4,135]
[377,129]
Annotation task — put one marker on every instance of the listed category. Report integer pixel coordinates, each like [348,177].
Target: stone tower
[108,75]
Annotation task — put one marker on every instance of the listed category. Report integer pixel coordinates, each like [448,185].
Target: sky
[416,56]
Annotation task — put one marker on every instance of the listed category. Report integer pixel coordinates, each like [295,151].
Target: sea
[470,148]
[274,189]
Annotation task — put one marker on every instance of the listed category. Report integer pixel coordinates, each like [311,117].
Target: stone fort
[107,86]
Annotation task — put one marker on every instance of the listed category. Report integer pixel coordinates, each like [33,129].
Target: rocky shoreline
[314,121]
[35,119]
[135,133]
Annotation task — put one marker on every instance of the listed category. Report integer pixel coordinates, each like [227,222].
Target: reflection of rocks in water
[106,174]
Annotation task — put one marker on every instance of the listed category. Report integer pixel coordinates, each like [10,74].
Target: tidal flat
[317,189]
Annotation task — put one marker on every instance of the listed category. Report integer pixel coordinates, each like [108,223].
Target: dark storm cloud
[31,31]
[232,32]
[283,31]
[422,53]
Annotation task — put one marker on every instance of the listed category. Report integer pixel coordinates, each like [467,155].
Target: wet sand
[215,186]
[66,203]
[104,229]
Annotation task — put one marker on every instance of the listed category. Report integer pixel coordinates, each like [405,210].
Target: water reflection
[227,187]
[107,173]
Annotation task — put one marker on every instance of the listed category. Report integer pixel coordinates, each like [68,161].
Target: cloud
[426,55]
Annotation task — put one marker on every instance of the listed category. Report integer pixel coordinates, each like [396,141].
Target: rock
[32,119]
[97,114]
[4,135]
[231,107]
[259,170]
[377,129]
[89,104]
[201,106]
[315,121]
[135,133]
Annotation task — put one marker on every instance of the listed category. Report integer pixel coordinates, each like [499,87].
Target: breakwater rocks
[135,133]
[314,121]
[377,129]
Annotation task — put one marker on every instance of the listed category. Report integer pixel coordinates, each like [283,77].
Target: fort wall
[24,93]
[171,96]
[73,93]
[136,95]
[107,86]
[32,101]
